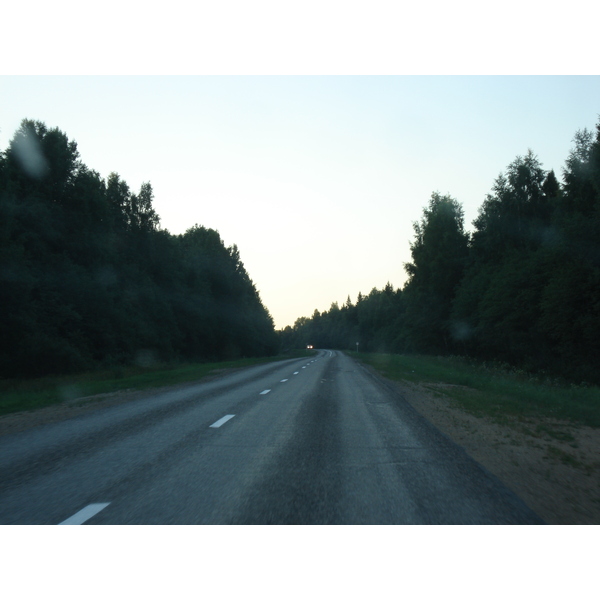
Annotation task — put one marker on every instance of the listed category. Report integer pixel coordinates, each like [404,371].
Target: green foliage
[491,389]
[531,291]
[524,288]
[518,212]
[83,388]
[439,254]
[373,322]
[88,278]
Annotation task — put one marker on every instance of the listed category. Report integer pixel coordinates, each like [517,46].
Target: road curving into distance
[302,441]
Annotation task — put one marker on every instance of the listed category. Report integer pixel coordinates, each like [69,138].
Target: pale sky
[316,178]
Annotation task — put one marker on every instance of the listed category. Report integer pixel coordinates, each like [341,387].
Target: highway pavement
[315,440]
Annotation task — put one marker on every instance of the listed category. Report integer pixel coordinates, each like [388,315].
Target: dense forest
[522,288]
[88,278]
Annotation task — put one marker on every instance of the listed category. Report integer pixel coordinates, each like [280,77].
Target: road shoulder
[69,409]
[552,466]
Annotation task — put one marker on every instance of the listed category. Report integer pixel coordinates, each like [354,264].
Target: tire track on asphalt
[303,485]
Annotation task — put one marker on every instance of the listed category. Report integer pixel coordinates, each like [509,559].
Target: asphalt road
[302,441]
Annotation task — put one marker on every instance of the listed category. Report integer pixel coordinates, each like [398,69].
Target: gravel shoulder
[553,466]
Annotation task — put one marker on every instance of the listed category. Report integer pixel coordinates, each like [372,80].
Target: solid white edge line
[85,514]
[264,392]
[222,420]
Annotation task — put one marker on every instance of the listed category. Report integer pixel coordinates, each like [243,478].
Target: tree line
[89,279]
[522,288]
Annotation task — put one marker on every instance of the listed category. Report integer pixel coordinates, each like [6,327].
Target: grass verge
[18,395]
[486,390]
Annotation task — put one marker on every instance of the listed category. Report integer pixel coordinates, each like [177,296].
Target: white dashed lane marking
[264,392]
[222,420]
[283,380]
[85,514]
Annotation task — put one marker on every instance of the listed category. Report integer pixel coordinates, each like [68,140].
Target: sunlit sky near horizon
[316,179]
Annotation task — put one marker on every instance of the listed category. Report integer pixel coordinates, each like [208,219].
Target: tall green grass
[20,395]
[493,390]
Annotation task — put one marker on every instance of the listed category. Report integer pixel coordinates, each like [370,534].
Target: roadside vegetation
[89,280]
[28,394]
[494,390]
[521,288]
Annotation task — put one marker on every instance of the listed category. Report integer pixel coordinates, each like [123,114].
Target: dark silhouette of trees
[374,322]
[523,288]
[439,254]
[89,279]
[533,268]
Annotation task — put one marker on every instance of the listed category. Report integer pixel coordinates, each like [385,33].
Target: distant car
[309,347]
